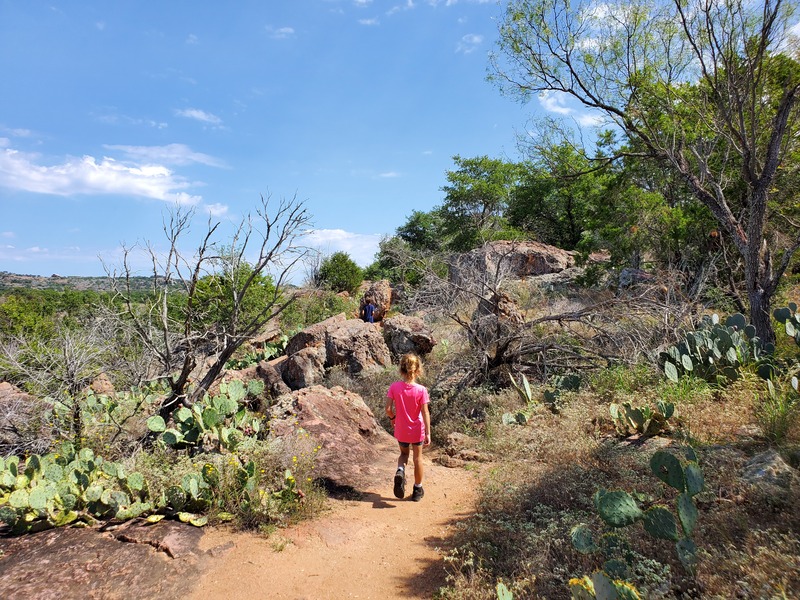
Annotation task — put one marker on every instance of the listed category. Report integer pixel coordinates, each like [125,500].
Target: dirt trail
[375,547]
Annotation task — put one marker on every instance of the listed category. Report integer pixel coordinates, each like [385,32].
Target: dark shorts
[407,444]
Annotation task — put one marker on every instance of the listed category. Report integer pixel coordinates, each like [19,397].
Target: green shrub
[316,307]
[339,273]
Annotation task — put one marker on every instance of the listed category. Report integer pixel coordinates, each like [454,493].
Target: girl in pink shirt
[407,407]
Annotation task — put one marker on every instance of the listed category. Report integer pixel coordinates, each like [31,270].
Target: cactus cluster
[790,318]
[76,486]
[716,352]
[642,420]
[620,509]
[218,419]
[67,486]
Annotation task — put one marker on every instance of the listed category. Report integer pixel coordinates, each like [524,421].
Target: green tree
[555,194]
[476,197]
[424,231]
[707,90]
[340,273]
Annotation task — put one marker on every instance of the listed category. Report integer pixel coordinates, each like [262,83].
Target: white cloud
[389,175]
[279,33]
[368,22]
[100,25]
[409,5]
[362,3]
[469,43]
[589,120]
[554,102]
[87,175]
[171,154]
[113,119]
[361,247]
[5,142]
[199,115]
[215,210]
[7,234]
[17,131]
[192,39]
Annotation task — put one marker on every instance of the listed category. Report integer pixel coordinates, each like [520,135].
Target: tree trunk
[213,372]
[760,313]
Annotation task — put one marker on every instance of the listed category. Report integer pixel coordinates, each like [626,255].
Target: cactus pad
[583,539]
[668,469]
[617,508]
[660,523]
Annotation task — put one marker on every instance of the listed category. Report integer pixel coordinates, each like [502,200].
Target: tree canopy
[705,89]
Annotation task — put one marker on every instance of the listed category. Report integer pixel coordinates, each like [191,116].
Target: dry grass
[548,470]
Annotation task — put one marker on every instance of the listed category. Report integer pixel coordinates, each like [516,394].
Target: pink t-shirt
[408,401]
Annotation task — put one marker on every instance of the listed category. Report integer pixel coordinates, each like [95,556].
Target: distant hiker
[407,407]
[369,311]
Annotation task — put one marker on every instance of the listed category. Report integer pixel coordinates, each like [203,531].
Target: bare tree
[61,367]
[707,89]
[570,335]
[203,306]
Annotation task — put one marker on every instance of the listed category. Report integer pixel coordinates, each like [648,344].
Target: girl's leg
[402,460]
[418,469]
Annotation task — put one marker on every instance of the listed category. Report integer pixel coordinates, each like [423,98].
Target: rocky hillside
[60,282]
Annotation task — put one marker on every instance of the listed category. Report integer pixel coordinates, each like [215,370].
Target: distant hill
[59,282]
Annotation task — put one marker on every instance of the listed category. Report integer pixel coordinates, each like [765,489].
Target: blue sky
[112,112]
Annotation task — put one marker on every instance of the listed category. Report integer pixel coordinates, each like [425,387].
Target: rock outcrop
[407,334]
[314,335]
[380,292]
[358,346]
[305,368]
[516,259]
[348,434]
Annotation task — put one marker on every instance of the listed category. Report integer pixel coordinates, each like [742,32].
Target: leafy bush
[339,273]
[251,358]
[313,308]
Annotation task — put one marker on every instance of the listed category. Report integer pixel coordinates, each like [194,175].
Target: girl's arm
[389,408]
[426,418]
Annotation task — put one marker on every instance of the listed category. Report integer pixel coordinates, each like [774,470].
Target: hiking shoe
[418,493]
[400,483]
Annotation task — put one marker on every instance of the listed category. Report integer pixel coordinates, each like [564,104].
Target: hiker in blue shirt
[369,311]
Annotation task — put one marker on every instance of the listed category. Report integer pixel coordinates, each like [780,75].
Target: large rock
[380,292]
[136,562]
[271,374]
[515,259]
[407,334]
[358,346]
[769,474]
[342,424]
[23,429]
[314,335]
[305,368]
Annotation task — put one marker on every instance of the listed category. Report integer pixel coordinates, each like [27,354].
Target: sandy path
[375,547]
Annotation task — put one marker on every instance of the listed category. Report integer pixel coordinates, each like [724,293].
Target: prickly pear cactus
[716,352]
